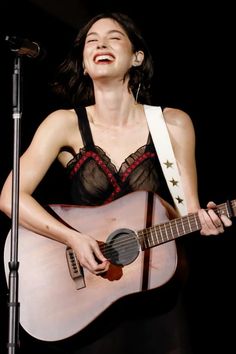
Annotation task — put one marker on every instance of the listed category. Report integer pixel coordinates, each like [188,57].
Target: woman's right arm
[34,163]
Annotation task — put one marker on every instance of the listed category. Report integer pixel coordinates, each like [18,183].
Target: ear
[138,58]
[85,70]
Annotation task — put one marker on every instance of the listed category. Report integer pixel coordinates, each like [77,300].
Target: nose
[102,44]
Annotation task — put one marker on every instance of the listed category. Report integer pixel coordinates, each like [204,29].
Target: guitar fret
[189,224]
[157,235]
[175,226]
[194,224]
[180,228]
[152,243]
[145,241]
[171,230]
[165,238]
[182,223]
[187,229]
[162,238]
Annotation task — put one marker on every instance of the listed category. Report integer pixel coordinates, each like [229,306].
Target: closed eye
[91,40]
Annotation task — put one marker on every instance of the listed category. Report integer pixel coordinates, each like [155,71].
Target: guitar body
[52,306]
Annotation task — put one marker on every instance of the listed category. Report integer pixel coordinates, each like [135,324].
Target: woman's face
[107,51]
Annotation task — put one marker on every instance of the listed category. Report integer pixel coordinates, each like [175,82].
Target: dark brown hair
[77,88]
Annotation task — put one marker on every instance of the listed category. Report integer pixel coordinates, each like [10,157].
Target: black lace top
[96,181]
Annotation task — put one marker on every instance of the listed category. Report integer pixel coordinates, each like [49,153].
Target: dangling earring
[137,93]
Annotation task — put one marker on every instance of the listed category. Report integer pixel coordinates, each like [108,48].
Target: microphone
[24,46]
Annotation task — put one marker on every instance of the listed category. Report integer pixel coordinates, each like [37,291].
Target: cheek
[87,52]
[128,55]
[86,57]
[128,60]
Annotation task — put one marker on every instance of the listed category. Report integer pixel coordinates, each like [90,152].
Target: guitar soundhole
[122,247]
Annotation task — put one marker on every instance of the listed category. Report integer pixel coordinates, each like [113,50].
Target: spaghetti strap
[84,127]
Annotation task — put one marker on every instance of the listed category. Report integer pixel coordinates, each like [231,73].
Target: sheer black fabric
[95,180]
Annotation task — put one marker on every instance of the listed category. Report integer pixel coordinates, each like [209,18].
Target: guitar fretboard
[154,235]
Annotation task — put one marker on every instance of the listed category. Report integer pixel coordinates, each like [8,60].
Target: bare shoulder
[177,117]
[180,127]
[61,118]
[55,130]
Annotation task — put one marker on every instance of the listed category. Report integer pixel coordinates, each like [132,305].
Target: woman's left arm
[182,137]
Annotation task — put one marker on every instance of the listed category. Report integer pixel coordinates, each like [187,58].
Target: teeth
[103,57]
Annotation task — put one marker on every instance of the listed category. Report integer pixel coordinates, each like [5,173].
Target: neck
[114,108]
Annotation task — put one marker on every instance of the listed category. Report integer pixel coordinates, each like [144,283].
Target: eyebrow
[109,32]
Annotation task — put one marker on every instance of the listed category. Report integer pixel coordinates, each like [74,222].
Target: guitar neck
[168,231]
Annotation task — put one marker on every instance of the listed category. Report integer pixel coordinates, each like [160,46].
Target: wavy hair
[77,88]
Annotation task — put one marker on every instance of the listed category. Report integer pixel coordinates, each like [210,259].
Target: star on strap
[168,164]
[179,200]
[174,182]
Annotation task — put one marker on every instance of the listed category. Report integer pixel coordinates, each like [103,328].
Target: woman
[108,72]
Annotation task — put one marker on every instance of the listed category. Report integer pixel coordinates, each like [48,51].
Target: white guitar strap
[162,143]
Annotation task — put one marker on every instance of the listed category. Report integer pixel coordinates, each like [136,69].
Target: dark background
[192,45]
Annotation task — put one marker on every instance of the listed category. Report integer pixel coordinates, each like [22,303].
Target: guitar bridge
[76,271]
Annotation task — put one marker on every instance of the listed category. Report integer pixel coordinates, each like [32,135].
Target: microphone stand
[14,306]
[21,47]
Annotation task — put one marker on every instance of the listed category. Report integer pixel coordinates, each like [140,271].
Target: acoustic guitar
[58,298]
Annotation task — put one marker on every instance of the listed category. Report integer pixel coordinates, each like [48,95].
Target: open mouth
[104,58]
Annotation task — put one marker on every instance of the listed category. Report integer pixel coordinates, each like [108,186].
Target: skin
[119,127]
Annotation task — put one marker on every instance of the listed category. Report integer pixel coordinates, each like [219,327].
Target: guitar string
[157,232]
[108,249]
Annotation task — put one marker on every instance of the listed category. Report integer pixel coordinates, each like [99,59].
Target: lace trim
[102,160]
